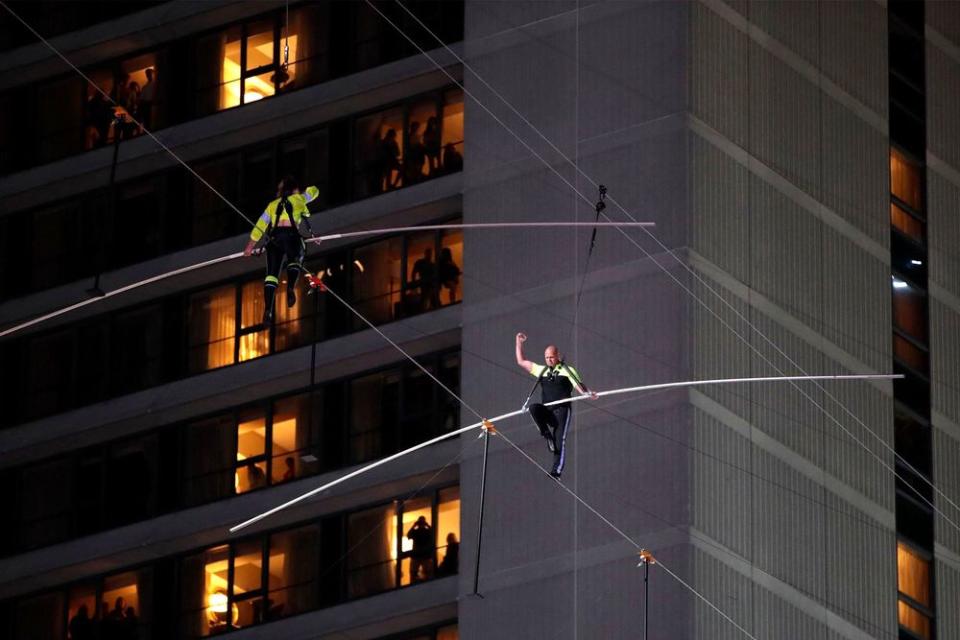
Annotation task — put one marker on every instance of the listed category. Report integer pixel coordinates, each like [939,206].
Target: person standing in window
[452,160]
[449,273]
[277,231]
[389,160]
[421,556]
[424,275]
[431,145]
[413,159]
[448,566]
[148,94]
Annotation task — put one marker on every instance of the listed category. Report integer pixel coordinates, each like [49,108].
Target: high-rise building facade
[801,162]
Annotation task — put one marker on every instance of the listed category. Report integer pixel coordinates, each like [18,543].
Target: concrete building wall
[943,192]
[550,568]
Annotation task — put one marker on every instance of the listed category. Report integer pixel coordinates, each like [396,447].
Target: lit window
[251,453]
[913,574]
[292,570]
[913,620]
[905,182]
[906,223]
[448,267]
[910,354]
[449,632]
[376,279]
[254,339]
[418,544]
[909,309]
[82,609]
[121,594]
[448,532]
[452,158]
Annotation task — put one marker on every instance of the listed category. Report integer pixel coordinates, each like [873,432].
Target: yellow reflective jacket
[271,215]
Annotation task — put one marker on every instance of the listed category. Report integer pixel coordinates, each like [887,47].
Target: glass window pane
[258,87]
[452,159]
[209,455]
[294,324]
[82,606]
[450,632]
[211,325]
[448,266]
[293,572]
[63,119]
[257,343]
[909,310]
[418,544]
[247,567]
[230,70]
[376,280]
[251,435]
[423,127]
[216,587]
[913,574]
[126,594]
[906,223]
[46,505]
[213,219]
[42,618]
[374,405]
[910,354]
[372,555]
[292,437]
[259,44]
[905,180]
[448,531]
[379,144]
[913,620]
[422,292]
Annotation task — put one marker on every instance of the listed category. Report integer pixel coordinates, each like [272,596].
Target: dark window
[209,452]
[914,520]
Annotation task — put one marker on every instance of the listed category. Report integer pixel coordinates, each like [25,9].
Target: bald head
[551,355]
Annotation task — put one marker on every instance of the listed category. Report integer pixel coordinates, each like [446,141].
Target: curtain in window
[209,459]
[372,559]
[193,597]
[294,559]
[211,323]
[207,70]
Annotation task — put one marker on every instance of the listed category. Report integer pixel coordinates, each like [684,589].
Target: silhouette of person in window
[413,160]
[449,273]
[451,559]
[81,626]
[256,476]
[389,160]
[431,145]
[424,275]
[131,625]
[421,556]
[148,95]
[291,471]
[452,160]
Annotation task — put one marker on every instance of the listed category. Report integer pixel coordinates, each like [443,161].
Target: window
[212,218]
[377,280]
[910,354]
[251,452]
[209,460]
[60,117]
[397,544]
[909,309]
[913,583]
[905,180]
[405,145]
[374,407]
[211,326]
[42,617]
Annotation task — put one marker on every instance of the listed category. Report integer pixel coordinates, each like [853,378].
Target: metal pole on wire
[488,428]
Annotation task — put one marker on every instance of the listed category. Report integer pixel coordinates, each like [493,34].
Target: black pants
[285,245]
[553,422]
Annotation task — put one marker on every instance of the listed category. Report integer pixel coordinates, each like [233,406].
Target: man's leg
[546,423]
[563,415]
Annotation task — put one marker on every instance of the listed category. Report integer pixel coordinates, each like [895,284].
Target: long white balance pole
[511,414]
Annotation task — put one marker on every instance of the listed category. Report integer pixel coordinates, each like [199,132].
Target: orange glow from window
[905,180]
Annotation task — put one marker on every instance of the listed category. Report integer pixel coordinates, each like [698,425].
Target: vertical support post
[646,598]
[646,559]
[487,430]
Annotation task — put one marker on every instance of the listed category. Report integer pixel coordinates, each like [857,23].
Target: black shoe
[291,298]
[555,474]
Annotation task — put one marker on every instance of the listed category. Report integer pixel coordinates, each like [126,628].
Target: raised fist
[521,337]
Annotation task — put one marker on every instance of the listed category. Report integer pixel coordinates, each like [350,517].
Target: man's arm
[257,234]
[578,383]
[523,362]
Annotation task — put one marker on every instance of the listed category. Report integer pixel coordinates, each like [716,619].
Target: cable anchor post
[488,430]
[646,559]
